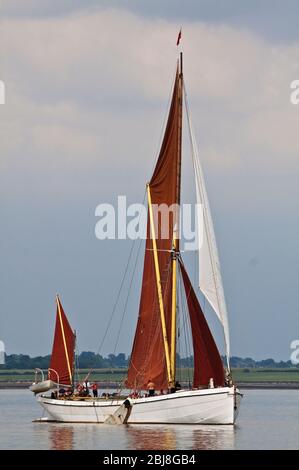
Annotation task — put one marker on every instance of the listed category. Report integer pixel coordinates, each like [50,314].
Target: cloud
[86,99]
[112,60]
[264,17]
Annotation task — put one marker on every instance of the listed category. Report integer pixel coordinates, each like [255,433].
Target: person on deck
[94,389]
[80,390]
[86,388]
[211,383]
[177,386]
[151,388]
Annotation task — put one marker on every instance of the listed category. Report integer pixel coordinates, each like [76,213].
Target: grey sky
[87,92]
[274,19]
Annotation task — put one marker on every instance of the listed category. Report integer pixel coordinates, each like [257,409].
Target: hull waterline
[209,406]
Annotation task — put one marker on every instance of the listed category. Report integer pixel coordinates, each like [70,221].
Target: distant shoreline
[15,385]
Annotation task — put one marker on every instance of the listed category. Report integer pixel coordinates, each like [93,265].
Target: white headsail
[210,281]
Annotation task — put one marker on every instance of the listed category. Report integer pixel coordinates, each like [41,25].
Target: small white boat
[44,386]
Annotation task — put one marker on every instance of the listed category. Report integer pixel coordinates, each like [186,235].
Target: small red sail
[62,358]
[148,360]
[207,360]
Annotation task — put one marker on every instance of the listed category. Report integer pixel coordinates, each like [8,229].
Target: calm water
[268,419]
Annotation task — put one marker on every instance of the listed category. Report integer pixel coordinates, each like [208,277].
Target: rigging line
[157,156]
[151,341]
[166,283]
[184,327]
[128,295]
[179,342]
[205,202]
[120,288]
[155,307]
[159,286]
[118,294]
[77,365]
[202,195]
[190,349]
[198,171]
[77,362]
[186,308]
[164,122]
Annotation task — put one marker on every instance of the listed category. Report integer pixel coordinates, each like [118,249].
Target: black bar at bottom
[148,458]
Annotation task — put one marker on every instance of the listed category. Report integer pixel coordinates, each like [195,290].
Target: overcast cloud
[87,92]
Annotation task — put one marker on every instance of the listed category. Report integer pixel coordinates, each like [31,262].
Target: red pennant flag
[179,38]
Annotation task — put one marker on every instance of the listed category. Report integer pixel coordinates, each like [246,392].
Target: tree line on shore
[88,359]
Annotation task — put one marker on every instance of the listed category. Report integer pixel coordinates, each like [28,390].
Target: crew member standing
[94,388]
[151,388]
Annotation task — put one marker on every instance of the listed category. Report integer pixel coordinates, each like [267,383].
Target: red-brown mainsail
[154,347]
[62,358]
[148,360]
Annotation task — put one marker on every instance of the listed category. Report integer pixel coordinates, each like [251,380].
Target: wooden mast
[74,360]
[159,287]
[176,232]
[153,355]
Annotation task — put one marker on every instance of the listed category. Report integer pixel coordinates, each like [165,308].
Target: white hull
[209,406]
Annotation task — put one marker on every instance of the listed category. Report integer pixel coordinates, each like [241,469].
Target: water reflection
[213,437]
[180,437]
[150,437]
[139,437]
[61,437]
[268,420]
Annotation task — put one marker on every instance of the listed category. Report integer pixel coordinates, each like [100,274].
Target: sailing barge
[213,398]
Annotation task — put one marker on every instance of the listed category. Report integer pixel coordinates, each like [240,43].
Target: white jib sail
[210,280]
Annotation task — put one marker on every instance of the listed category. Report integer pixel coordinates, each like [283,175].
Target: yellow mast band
[63,337]
[159,289]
